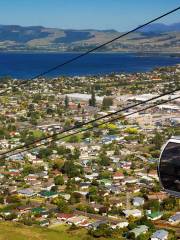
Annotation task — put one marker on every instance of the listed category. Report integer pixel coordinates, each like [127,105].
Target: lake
[26,65]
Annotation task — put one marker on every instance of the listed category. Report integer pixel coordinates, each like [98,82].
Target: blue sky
[82,14]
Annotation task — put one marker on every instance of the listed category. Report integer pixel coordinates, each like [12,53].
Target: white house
[77,220]
[120,225]
[132,212]
[91,176]
[139,230]
[138,201]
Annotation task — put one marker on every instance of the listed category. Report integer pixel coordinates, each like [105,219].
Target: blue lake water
[26,65]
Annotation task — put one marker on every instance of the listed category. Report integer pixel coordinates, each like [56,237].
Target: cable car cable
[83,130]
[94,120]
[94,49]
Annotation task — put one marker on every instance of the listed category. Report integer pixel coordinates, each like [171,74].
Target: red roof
[118,174]
[64,215]
[11,173]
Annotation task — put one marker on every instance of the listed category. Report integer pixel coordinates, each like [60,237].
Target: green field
[16,231]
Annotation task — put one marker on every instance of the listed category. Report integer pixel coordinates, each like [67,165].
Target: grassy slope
[15,231]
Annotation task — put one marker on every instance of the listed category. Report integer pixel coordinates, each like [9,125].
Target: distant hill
[21,34]
[155,37]
[161,28]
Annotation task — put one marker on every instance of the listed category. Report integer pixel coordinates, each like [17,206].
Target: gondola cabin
[169,166]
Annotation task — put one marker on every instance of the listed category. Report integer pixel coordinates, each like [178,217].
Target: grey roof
[160,234]
[175,217]
[138,199]
[85,184]
[26,191]
[97,223]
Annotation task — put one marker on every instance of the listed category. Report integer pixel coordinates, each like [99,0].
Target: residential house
[64,216]
[76,220]
[175,219]
[115,202]
[105,182]
[154,215]
[114,189]
[27,192]
[138,201]
[120,225]
[153,174]
[40,211]
[66,196]
[12,189]
[24,209]
[48,194]
[31,177]
[37,161]
[130,180]
[96,207]
[48,185]
[160,235]
[44,222]
[139,230]
[43,174]
[132,212]
[30,156]
[96,224]
[118,176]
[85,223]
[83,193]
[157,196]
[126,165]
[84,185]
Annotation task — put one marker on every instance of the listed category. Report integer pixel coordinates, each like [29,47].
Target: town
[102,181]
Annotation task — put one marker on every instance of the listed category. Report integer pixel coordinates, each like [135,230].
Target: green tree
[87,134]
[28,169]
[79,106]
[76,153]
[62,205]
[66,101]
[169,203]
[103,230]
[144,236]
[45,152]
[92,100]
[59,180]
[154,205]
[75,198]
[107,102]
[74,139]
[158,140]
[104,159]
[93,193]
[72,169]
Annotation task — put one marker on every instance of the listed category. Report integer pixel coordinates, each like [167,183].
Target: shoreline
[173,54]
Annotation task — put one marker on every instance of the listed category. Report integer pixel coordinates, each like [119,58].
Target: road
[98,217]
[159,224]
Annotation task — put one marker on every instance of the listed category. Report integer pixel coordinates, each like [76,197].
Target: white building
[132,212]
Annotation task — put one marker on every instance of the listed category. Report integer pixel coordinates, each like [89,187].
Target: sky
[120,15]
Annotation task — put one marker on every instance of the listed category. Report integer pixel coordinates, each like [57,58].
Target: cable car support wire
[6,154]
